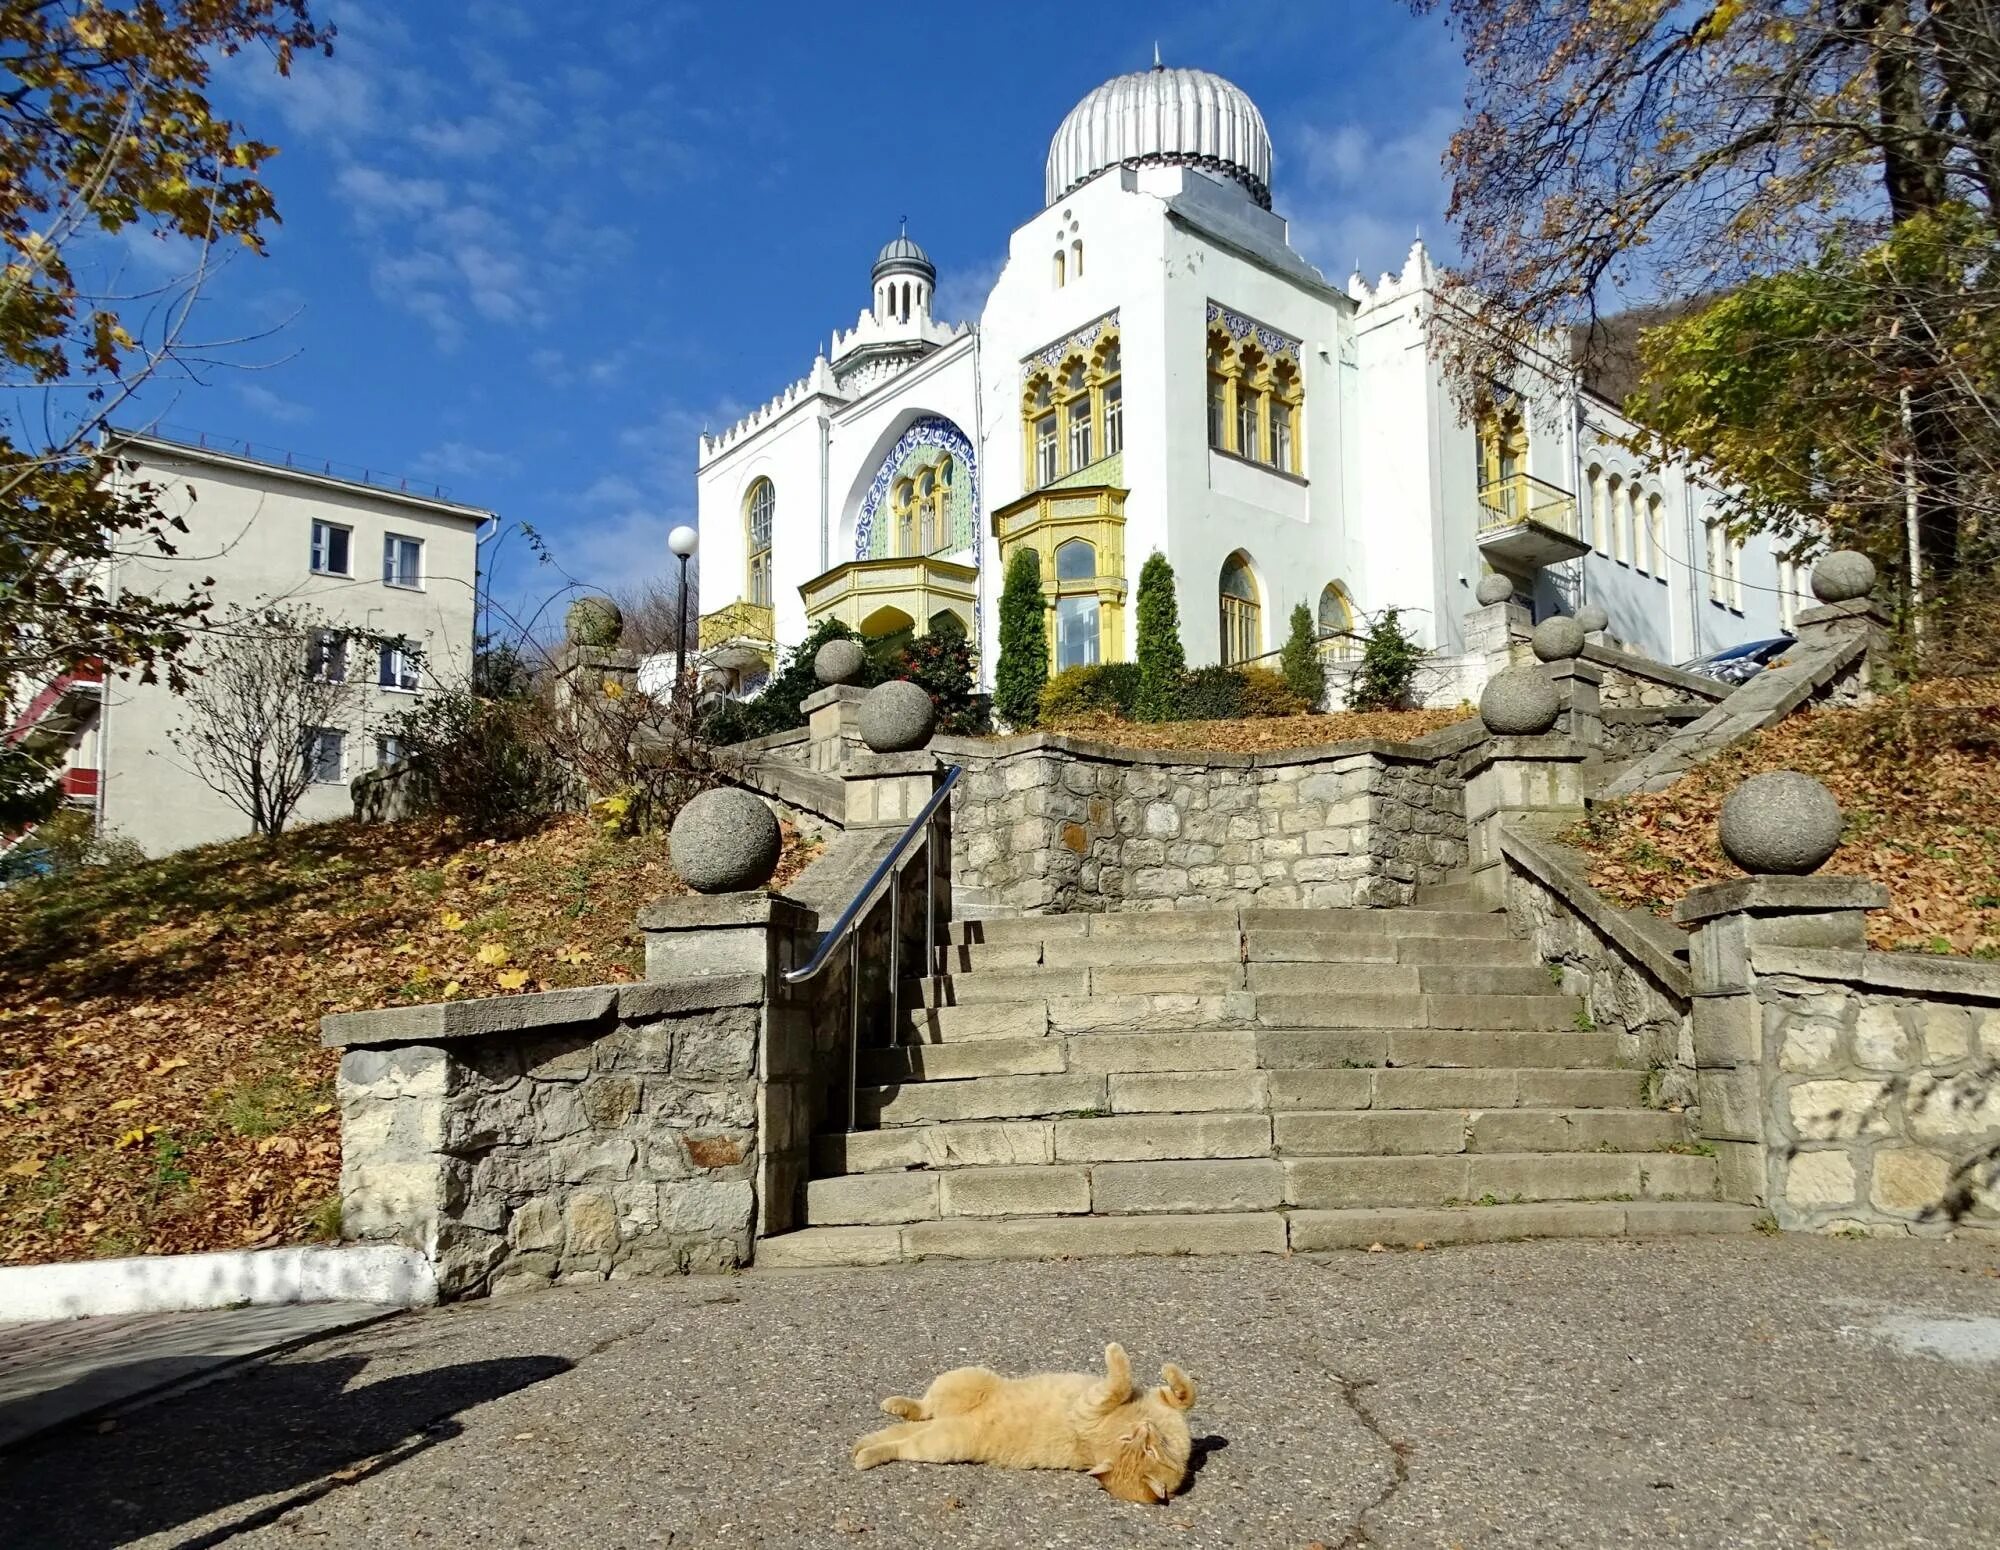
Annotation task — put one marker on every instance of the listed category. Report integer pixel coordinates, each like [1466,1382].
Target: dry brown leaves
[1265,734]
[162,1085]
[1918,780]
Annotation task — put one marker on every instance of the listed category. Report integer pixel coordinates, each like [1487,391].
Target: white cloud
[962,290]
[1355,194]
[462,460]
[273,406]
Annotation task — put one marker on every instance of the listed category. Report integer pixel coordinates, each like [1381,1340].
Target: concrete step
[1446,1087]
[985,1097]
[1125,925]
[1405,1228]
[1450,896]
[1459,925]
[1254,1232]
[989,955]
[1377,1010]
[1355,979]
[996,985]
[1106,951]
[1321,1049]
[1359,948]
[1406,1132]
[1197,1051]
[1112,1013]
[1333,1183]
[1026,928]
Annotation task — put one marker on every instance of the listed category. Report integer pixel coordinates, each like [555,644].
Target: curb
[383,1274]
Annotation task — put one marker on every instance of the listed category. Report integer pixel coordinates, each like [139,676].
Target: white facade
[1343,468]
[251,527]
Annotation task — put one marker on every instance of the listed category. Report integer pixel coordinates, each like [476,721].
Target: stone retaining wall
[1052,824]
[1879,1089]
[1629,967]
[576,1134]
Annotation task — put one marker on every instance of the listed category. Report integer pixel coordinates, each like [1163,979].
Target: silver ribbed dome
[902,256]
[1176,117]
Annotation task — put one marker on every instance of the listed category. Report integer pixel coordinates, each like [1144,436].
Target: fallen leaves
[1917,777]
[162,1084]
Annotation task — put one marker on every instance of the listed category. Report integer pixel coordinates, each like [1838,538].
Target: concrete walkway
[1699,1392]
[57,1373]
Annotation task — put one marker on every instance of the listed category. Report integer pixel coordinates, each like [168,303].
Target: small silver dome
[902,256]
[1189,118]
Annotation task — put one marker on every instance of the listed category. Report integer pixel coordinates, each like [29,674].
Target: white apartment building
[384,562]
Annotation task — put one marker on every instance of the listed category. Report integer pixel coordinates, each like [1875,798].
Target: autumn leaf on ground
[512,979]
[492,954]
[28,1167]
[125,1103]
[451,920]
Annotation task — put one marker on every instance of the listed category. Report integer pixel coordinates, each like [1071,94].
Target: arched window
[1076,410]
[1336,621]
[1242,632]
[905,502]
[1503,462]
[1250,407]
[1111,391]
[1599,538]
[1284,409]
[1076,257]
[758,507]
[936,497]
[1076,606]
[1221,367]
[1059,269]
[1656,532]
[1621,520]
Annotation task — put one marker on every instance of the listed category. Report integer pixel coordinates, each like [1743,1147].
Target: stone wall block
[1881,1042]
[1910,1182]
[1836,1110]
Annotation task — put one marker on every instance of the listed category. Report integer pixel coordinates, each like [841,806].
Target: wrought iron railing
[1521,498]
[847,928]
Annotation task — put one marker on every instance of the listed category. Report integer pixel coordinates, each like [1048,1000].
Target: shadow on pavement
[294,1430]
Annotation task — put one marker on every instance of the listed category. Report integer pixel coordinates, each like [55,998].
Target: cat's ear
[1159,1489]
[1177,1388]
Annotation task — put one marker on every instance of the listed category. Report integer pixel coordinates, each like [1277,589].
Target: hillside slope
[162,1086]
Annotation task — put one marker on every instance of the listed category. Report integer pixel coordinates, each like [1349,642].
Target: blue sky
[530,250]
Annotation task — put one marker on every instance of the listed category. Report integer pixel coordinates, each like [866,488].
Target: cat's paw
[903,1409]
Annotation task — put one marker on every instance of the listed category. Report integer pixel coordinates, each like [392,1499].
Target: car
[1739,663]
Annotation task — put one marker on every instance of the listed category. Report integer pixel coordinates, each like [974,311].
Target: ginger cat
[1137,1445]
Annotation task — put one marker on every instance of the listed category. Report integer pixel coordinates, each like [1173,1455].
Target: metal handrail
[889,869]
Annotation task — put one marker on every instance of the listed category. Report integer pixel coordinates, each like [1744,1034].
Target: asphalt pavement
[1803,1393]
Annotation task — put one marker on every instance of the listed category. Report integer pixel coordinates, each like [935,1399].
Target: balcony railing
[736,621]
[878,597]
[1523,498]
[1525,523]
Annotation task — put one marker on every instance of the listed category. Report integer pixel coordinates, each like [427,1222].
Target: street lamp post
[682,541]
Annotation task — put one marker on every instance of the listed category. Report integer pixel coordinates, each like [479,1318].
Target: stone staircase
[1240,1081]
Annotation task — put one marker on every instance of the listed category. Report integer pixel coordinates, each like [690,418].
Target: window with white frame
[398,668]
[326,656]
[326,755]
[1048,457]
[1725,566]
[402,561]
[1600,537]
[331,544]
[1656,529]
[388,750]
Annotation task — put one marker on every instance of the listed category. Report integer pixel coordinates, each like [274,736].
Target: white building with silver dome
[1157,368]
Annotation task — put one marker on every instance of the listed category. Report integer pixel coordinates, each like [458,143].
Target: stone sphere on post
[1843,576]
[1493,589]
[725,841]
[1519,702]
[1594,618]
[839,662]
[896,717]
[1784,823]
[593,621]
[1557,638]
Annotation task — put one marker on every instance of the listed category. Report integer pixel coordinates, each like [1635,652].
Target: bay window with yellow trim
[1073,415]
[1255,398]
[1078,539]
